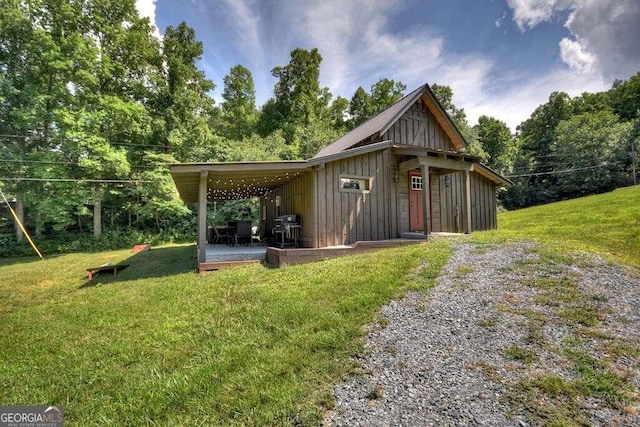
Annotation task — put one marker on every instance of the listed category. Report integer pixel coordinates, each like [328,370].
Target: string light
[245,188]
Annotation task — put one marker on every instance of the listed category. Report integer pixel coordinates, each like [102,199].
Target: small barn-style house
[401,174]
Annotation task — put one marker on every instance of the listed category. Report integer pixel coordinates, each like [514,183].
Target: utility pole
[633,166]
[634,157]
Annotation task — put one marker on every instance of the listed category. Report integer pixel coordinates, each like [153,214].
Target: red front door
[416,207]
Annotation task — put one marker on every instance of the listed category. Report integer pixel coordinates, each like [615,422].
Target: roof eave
[492,175]
[350,153]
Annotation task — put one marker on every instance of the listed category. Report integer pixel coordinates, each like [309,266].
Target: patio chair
[243,232]
[220,236]
[258,234]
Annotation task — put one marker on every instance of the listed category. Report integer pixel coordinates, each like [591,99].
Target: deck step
[413,236]
[217,265]
[237,257]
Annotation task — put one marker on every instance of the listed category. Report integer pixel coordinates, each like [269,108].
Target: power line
[560,171]
[51,162]
[103,181]
[157,146]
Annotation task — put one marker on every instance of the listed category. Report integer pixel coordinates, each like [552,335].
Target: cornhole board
[107,267]
[140,248]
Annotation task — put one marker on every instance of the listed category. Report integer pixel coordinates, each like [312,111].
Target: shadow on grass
[157,262]
[24,259]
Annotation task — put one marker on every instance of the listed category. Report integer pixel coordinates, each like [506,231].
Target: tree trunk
[20,214]
[97,212]
[39,224]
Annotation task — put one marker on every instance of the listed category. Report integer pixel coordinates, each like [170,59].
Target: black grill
[286,230]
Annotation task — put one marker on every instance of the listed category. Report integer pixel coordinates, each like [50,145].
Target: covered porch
[436,162]
[451,194]
[203,183]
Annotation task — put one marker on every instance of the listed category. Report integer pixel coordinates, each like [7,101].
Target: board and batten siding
[447,203]
[296,197]
[483,203]
[345,217]
[418,127]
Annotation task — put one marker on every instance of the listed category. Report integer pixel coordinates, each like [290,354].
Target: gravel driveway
[507,337]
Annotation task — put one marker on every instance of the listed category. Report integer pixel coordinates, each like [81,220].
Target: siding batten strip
[426,200]
[467,202]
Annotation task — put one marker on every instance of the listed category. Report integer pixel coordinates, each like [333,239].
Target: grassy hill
[608,224]
[250,345]
[159,343]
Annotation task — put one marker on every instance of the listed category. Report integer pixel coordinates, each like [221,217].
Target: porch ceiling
[233,181]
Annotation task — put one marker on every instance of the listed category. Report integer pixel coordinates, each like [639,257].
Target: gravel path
[442,356]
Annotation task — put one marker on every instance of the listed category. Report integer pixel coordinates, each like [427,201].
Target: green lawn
[608,224]
[248,345]
[162,344]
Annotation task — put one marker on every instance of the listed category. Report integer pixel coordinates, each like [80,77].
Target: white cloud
[516,103]
[610,30]
[360,45]
[576,57]
[147,9]
[529,13]
[606,32]
[246,28]
[359,48]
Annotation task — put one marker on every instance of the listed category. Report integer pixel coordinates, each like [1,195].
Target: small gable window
[358,184]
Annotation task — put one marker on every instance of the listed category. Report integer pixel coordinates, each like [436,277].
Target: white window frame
[366,180]
[417,183]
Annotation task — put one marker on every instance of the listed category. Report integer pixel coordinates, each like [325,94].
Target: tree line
[93,107]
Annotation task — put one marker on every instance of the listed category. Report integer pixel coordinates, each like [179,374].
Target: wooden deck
[220,256]
[281,257]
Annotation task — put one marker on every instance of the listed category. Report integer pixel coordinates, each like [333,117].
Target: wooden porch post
[467,202]
[426,199]
[202,217]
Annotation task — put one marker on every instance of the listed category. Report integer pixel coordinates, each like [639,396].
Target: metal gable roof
[380,123]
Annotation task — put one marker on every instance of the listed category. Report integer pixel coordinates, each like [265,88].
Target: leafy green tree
[359,107]
[256,148]
[591,148]
[337,114]
[109,113]
[183,101]
[239,105]
[160,202]
[38,59]
[384,93]
[444,94]
[534,159]
[297,92]
[592,102]
[625,97]
[301,107]
[497,141]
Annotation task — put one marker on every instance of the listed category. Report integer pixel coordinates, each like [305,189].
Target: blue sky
[501,57]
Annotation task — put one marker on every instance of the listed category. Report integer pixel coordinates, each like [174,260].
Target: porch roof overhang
[446,162]
[232,181]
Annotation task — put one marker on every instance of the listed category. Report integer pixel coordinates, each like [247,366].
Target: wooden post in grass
[202,217]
